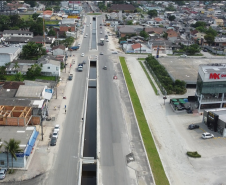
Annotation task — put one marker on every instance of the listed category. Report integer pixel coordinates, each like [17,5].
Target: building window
[11,33]
[48,68]
[57,68]
[22,34]
[2,162]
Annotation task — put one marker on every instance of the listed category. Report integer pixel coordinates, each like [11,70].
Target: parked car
[53,141]
[205,50]
[193,126]
[79,45]
[107,40]
[57,128]
[114,52]
[84,62]
[85,36]
[55,134]
[207,135]
[101,53]
[101,32]
[183,56]
[82,55]
[80,64]
[2,173]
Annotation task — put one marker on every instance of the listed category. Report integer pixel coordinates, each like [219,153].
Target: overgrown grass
[26,17]
[52,22]
[151,82]
[94,14]
[24,77]
[153,156]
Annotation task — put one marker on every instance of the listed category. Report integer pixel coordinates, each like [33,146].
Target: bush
[193,154]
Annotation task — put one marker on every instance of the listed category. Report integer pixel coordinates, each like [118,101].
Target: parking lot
[173,138]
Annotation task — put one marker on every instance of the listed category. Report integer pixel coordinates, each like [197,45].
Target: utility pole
[42,129]
[56,85]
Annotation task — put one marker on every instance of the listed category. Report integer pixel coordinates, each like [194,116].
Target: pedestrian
[65,106]
[65,111]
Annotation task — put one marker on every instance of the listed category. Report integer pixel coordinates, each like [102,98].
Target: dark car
[53,141]
[193,126]
[205,50]
[80,64]
[84,62]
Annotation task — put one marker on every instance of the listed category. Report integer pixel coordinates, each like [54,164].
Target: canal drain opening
[89,174]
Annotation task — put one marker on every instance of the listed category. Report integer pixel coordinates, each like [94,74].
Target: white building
[50,68]
[9,54]
[68,21]
[17,33]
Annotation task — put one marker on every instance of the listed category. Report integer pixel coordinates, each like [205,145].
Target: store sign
[217,76]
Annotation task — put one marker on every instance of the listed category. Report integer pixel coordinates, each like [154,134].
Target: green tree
[13,148]
[170,8]
[144,34]
[37,27]
[51,32]
[172,18]
[48,8]
[130,22]
[201,29]
[165,35]
[211,31]
[68,41]
[35,16]
[180,3]
[6,146]
[32,3]
[209,39]
[31,50]
[16,66]
[34,70]
[152,13]
[198,24]
[18,76]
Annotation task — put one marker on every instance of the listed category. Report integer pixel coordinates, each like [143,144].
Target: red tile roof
[172,33]
[157,19]
[122,7]
[135,46]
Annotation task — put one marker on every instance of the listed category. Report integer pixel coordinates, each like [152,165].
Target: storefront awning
[30,144]
[47,96]
[174,99]
[176,103]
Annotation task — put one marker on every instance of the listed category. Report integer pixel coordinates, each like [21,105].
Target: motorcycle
[105,67]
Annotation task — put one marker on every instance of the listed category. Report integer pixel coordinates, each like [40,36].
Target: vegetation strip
[153,156]
[148,76]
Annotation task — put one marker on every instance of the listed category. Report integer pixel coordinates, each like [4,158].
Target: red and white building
[211,86]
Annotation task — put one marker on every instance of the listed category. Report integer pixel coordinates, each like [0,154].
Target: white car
[57,128]
[2,173]
[82,55]
[55,134]
[114,52]
[101,32]
[183,56]
[79,45]
[87,25]
[107,40]
[207,135]
[85,36]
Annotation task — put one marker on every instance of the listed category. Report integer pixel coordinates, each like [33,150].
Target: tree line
[177,87]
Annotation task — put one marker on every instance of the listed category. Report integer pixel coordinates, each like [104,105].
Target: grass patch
[151,82]
[52,22]
[24,77]
[193,154]
[94,14]
[26,17]
[153,156]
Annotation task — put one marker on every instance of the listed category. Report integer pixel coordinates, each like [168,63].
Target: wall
[53,71]
[19,163]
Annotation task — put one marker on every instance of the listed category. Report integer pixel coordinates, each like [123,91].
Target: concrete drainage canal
[88,166]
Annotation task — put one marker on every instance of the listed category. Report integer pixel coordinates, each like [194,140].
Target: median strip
[153,156]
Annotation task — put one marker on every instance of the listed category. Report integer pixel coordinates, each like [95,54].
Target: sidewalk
[41,158]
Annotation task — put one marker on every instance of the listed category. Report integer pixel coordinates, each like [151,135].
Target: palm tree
[6,145]
[16,65]
[13,148]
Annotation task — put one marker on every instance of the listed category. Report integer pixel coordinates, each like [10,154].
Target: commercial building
[215,119]
[211,86]
[27,137]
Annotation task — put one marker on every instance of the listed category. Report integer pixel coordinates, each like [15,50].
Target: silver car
[2,173]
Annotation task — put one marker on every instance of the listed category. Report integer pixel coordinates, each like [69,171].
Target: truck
[70,77]
[102,41]
[74,48]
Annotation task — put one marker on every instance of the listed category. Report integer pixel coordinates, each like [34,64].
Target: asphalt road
[65,163]
[113,143]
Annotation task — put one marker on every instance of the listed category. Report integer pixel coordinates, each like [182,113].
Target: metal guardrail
[162,89]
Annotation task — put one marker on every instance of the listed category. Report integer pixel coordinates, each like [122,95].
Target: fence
[162,89]
[215,51]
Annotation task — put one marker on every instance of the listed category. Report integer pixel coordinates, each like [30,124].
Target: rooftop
[17,31]
[30,91]
[22,134]
[122,7]
[9,49]
[215,67]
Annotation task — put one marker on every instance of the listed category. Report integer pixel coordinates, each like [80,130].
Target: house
[9,54]
[172,35]
[66,27]
[59,50]
[56,17]
[136,48]
[48,12]
[219,22]
[163,46]
[124,30]
[155,31]
[121,7]
[17,33]
[50,67]
[23,66]
[220,41]
[158,21]
[40,40]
